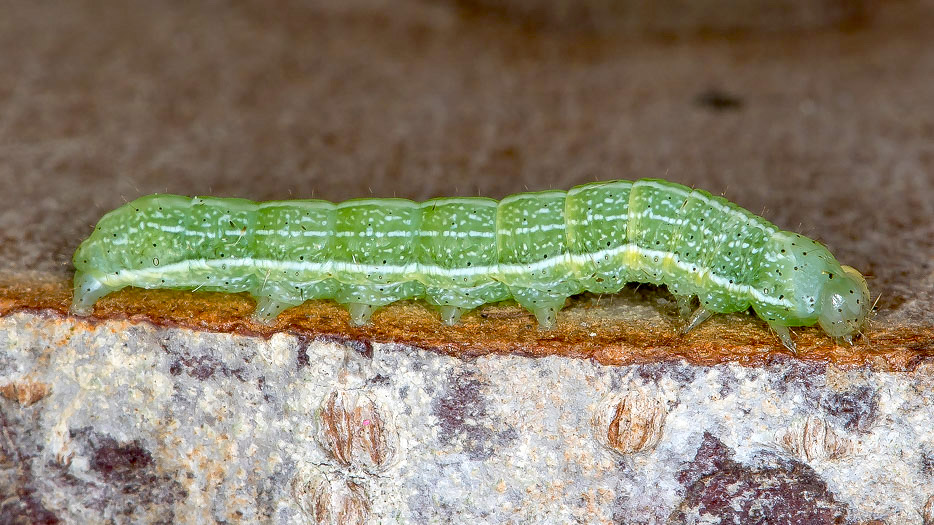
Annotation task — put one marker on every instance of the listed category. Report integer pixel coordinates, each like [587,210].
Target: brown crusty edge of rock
[637,325]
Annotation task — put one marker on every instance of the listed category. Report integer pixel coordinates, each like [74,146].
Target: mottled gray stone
[129,422]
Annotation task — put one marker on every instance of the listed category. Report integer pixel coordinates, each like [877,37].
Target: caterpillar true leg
[684,305]
[699,316]
[784,334]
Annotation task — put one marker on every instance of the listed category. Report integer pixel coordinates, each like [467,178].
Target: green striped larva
[460,253]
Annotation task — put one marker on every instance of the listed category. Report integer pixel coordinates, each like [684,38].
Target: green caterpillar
[460,253]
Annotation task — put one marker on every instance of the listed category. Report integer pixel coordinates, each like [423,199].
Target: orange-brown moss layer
[638,325]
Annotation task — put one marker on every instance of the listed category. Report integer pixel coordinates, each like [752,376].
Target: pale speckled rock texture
[143,424]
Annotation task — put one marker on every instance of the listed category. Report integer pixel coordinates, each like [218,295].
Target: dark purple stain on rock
[202,367]
[856,409]
[261,386]
[425,510]
[728,381]
[20,496]
[717,485]
[131,482]
[378,379]
[791,374]
[462,413]
[680,373]
[711,456]
[927,462]
[301,356]
[119,462]
[650,373]
[23,506]
[726,387]
[655,372]
[361,346]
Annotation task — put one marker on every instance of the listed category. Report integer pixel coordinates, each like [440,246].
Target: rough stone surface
[138,423]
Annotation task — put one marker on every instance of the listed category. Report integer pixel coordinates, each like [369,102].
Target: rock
[138,423]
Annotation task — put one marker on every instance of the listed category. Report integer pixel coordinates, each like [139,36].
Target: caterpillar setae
[460,253]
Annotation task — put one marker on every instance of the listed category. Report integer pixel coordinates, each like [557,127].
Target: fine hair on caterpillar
[462,252]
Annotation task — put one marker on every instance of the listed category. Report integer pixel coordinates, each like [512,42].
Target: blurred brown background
[817,114]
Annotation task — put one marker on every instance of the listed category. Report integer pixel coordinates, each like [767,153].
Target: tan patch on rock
[356,432]
[337,502]
[631,422]
[927,512]
[816,439]
[25,392]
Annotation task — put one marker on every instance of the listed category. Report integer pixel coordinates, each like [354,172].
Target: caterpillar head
[844,304]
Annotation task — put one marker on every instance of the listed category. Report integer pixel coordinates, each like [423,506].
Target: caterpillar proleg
[460,253]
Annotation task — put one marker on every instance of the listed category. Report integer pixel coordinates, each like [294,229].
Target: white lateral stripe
[128,277]
[456,234]
[166,228]
[523,230]
[293,233]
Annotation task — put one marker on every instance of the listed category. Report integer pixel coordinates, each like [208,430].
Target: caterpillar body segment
[460,253]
